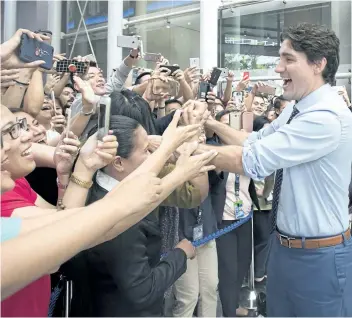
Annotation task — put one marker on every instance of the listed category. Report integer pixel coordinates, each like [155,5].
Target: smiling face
[38,131]
[299,75]
[67,97]
[46,111]
[96,80]
[20,159]
[258,106]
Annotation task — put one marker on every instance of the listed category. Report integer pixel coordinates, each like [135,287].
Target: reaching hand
[242,85]
[179,76]
[88,96]
[154,142]
[162,61]
[51,81]
[193,166]
[65,153]
[58,122]
[230,77]
[9,58]
[193,112]
[96,154]
[8,77]
[188,248]
[174,136]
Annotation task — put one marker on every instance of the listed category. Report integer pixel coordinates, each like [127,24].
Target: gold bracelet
[81,183]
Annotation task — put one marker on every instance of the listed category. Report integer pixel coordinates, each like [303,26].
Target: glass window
[249,35]
[175,37]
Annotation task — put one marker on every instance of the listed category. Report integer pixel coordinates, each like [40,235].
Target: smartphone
[63,66]
[47,33]
[194,62]
[132,42]
[245,75]
[237,97]
[224,72]
[68,120]
[32,50]
[215,75]
[151,57]
[104,117]
[204,88]
[172,68]
[247,121]
[270,90]
[236,120]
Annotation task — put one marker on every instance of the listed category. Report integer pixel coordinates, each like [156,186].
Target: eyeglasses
[16,128]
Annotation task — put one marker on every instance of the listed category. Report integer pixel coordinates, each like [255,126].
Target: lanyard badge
[238,204]
[198,229]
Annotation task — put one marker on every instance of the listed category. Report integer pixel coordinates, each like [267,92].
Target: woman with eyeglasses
[23,202]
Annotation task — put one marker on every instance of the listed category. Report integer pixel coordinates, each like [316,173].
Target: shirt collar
[105,181]
[313,97]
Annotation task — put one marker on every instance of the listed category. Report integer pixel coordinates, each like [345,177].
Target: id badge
[239,210]
[198,232]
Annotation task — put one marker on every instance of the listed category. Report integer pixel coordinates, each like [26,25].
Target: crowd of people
[159,215]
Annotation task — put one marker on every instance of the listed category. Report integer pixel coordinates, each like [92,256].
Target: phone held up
[32,50]
[103,109]
[151,57]
[131,42]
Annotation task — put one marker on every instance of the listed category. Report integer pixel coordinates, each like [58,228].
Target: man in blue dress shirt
[310,148]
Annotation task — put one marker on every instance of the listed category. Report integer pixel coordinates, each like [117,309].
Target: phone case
[104,117]
[204,88]
[247,121]
[62,66]
[194,62]
[32,50]
[236,120]
[131,42]
[215,74]
[172,68]
[151,57]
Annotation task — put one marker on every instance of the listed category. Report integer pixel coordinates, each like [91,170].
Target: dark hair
[259,122]
[130,104]
[316,42]
[138,79]
[93,64]
[277,102]
[221,113]
[69,85]
[124,130]
[172,101]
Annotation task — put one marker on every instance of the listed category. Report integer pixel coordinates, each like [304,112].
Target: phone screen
[104,117]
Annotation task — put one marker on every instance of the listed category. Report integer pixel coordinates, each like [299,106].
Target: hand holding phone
[104,109]
[32,50]
[194,62]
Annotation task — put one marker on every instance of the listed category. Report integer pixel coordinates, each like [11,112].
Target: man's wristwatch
[87,114]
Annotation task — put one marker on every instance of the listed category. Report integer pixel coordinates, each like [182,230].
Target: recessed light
[189,23]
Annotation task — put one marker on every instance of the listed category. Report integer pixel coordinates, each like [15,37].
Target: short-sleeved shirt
[10,228]
[32,300]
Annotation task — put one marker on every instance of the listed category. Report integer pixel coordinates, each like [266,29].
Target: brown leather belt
[292,242]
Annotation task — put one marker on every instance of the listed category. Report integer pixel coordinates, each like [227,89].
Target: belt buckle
[287,238]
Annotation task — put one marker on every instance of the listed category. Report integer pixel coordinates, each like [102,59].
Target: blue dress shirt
[315,152]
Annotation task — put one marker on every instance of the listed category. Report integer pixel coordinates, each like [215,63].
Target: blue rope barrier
[223,231]
[219,233]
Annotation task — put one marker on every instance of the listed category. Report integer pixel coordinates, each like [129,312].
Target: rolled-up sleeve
[118,78]
[307,138]
[10,228]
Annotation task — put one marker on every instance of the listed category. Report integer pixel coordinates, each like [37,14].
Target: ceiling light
[189,23]
[168,26]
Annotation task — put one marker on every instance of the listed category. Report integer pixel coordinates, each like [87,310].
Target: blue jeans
[309,282]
